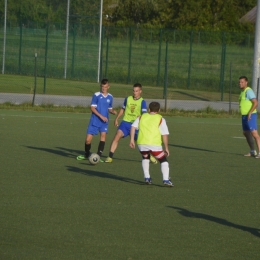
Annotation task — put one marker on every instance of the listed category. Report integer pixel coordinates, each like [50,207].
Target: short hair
[137,85]
[244,77]
[104,81]
[154,106]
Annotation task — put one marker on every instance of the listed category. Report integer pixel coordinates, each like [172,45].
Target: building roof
[249,17]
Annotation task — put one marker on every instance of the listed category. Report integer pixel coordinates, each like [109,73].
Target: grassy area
[55,207]
[25,84]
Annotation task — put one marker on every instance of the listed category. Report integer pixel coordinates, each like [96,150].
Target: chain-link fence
[180,61]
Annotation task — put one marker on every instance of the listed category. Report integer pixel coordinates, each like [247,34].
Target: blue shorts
[94,130]
[125,127]
[249,125]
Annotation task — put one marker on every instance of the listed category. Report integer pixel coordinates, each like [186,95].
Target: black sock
[101,147]
[87,149]
[111,154]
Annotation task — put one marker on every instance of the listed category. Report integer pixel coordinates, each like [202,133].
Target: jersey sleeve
[94,101]
[111,103]
[163,127]
[124,104]
[144,107]
[250,94]
[135,124]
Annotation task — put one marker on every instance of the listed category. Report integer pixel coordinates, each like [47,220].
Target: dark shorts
[249,125]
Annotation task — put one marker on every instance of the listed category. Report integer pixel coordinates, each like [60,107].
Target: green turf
[55,207]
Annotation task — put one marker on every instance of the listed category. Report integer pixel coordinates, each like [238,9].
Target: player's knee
[163,159]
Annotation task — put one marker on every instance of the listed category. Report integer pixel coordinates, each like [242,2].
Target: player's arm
[94,111]
[132,132]
[165,143]
[112,111]
[254,106]
[164,132]
[132,137]
[121,112]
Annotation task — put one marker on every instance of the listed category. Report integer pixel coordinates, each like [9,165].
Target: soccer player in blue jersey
[101,106]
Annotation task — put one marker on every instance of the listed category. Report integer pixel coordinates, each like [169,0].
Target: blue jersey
[102,104]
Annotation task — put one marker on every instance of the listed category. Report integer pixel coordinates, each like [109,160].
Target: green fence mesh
[196,60]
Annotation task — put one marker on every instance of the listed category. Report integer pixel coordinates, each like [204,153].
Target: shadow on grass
[192,148]
[59,151]
[192,96]
[221,221]
[106,175]
[71,153]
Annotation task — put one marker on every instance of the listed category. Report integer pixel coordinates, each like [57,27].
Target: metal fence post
[159,59]
[73,50]
[46,58]
[165,77]
[129,56]
[35,77]
[107,48]
[230,88]
[222,66]
[101,55]
[190,59]
[20,48]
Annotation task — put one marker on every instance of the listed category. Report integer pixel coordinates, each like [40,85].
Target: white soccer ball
[94,158]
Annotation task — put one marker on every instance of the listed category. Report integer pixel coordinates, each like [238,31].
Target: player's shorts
[94,130]
[125,127]
[249,125]
[156,151]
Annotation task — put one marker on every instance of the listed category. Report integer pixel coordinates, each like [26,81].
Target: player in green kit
[133,107]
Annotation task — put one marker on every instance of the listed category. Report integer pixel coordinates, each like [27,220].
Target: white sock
[165,170]
[145,165]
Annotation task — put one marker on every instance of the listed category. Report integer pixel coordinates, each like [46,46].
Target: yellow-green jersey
[149,131]
[245,103]
[133,108]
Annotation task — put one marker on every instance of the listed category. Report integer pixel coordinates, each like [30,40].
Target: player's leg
[88,141]
[101,144]
[161,157]
[122,131]
[248,136]
[91,131]
[253,127]
[119,134]
[146,166]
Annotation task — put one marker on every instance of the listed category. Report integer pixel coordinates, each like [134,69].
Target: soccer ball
[94,158]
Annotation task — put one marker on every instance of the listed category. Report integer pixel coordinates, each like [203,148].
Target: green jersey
[133,108]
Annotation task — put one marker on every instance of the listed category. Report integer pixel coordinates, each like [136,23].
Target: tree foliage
[213,15]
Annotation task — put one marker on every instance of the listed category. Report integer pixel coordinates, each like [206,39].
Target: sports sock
[165,170]
[145,165]
[111,154]
[101,147]
[87,149]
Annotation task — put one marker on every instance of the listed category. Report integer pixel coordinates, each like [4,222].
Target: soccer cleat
[257,156]
[153,160]
[168,183]
[254,154]
[148,180]
[81,157]
[108,160]
[100,160]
